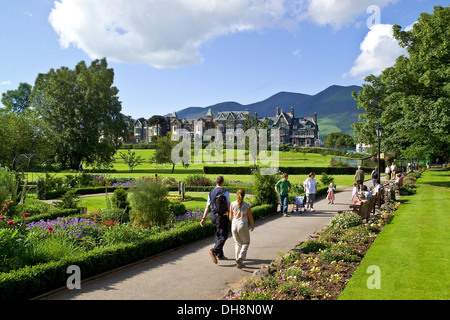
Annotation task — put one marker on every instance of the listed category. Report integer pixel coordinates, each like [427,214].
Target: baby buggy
[299,203]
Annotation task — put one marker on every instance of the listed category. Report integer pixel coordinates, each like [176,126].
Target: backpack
[218,201]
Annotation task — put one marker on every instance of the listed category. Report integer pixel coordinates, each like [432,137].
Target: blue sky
[172,54]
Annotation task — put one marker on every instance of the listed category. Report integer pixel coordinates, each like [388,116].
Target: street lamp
[379,132]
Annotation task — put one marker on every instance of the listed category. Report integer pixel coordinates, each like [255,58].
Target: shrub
[149,203]
[264,188]
[120,199]
[326,179]
[340,252]
[68,201]
[198,180]
[313,246]
[346,220]
[176,209]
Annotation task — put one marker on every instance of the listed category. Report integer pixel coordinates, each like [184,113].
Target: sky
[168,55]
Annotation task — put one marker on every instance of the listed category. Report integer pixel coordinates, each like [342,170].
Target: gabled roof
[225,115]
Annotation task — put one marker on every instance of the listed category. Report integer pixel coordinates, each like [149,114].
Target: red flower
[2,218]
[50,228]
[5,208]
[25,215]
[10,223]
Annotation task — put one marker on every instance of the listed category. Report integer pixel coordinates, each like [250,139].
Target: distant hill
[335,107]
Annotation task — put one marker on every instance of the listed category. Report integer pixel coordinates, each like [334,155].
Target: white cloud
[338,13]
[379,50]
[5,83]
[163,34]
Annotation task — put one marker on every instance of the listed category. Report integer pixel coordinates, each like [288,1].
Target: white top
[240,214]
[310,186]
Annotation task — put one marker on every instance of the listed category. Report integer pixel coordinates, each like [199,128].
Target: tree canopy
[82,111]
[411,99]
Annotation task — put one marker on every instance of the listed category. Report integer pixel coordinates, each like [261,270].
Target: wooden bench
[364,209]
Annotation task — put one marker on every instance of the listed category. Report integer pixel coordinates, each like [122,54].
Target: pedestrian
[359,177]
[388,173]
[374,175]
[310,187]
[241,225]
[355,192]
[366,192]
[80,167]
[330,193]
[219,205]
[283,187]
[393,170]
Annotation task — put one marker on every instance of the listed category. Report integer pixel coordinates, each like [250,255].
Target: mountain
[335,107]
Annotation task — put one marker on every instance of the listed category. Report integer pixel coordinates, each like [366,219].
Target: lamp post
[379,132]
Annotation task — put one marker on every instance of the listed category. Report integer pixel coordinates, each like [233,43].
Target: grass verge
[413,250]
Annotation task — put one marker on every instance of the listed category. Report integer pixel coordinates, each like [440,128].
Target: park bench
[364,209]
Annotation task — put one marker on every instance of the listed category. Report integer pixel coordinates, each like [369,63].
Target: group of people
[240,214]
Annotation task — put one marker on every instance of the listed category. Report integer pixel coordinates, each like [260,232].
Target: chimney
[292,111]
[278,111]
[315,117]
[256,115]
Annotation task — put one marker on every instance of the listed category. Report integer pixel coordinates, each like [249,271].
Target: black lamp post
[379,132]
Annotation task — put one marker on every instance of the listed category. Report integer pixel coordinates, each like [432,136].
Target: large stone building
[300,131]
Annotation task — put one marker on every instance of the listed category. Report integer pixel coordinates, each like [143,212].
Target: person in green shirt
[283,187]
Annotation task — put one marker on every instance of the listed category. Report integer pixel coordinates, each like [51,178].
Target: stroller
[299,203]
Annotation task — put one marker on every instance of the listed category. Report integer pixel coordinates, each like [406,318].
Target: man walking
[283,187]
[219,205]
[359,178]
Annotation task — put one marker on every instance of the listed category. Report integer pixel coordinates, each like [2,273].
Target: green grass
[413,250]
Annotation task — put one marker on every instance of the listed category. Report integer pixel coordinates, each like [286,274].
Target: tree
[17,100]
[131,160]
[339,140]
[83,112]
[22,133]
[411,99]
[163,153]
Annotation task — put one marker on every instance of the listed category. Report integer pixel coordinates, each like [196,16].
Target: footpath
[188,273]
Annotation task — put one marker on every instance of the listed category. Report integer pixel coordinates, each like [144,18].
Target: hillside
[335,107]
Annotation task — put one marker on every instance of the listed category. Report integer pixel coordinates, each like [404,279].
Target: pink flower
[5,208]
[50,228]
[10,223]
[25,215]
[2,218]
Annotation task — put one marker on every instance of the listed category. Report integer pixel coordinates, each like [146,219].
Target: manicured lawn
[413,250]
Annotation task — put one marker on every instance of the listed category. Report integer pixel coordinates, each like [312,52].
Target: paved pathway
[188,273]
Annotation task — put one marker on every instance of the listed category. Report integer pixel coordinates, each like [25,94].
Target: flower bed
[320,267]
[34,256]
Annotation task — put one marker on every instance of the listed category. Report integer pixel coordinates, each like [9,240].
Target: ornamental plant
[346,220]
[149,203]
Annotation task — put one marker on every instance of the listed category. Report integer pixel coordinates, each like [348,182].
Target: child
[355,192]
[361,201]
[331,191]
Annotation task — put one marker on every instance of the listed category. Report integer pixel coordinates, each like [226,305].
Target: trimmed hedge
[32,281]
[288,170]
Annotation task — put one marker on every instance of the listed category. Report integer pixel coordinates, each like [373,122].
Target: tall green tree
[83,111]
[17,100]
[411,99]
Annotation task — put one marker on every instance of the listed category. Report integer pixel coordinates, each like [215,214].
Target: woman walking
[241,217]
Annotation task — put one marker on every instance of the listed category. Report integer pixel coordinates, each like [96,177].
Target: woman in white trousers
[241,225]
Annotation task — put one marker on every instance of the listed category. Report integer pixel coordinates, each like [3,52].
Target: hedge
[288,170]
[31,281]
